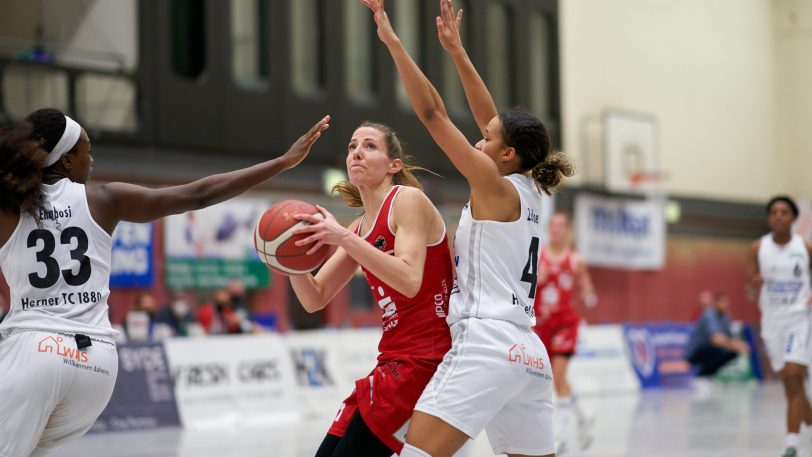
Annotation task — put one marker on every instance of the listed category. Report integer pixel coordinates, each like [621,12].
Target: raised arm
[479,170]
[114,202]
[479,98]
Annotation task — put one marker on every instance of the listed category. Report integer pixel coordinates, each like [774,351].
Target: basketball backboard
[630,152]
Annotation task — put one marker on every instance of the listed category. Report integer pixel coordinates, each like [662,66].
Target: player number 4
[530,273]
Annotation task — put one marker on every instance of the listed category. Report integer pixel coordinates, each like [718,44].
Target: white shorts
[51,392]
[497,376]
[787,340]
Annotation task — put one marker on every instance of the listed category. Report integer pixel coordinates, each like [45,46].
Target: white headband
[69,138]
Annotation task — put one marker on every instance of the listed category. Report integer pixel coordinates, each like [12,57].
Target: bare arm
[117,201]
[754,279]
[479,170]
[479,98]
[315,293]
[731,344]
[403,271]
[809,251]
[585,286]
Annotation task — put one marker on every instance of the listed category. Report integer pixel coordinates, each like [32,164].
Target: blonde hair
[350,194]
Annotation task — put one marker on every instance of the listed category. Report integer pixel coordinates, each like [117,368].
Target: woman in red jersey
[562,273]
[401,245]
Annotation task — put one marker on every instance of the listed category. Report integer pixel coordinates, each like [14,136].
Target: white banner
[232,380]
[601,364]
[326,364]
[620,233]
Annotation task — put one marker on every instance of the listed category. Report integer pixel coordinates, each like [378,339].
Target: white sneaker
[584,430]
[703,388]
[560,446]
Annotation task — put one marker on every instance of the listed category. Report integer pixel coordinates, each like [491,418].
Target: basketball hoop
[639,178]
[647,182]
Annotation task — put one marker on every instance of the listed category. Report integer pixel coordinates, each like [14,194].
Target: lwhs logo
[54,345]
[517,354]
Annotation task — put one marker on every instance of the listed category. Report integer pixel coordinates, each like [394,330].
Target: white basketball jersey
[59,272]
[497,262]
[785,269]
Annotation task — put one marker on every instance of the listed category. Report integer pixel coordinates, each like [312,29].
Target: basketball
[276,243]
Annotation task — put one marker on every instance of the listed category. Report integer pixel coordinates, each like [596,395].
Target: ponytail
[21,161]
[552,171]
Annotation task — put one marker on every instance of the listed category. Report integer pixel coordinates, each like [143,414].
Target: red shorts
[559,332]
[386,400]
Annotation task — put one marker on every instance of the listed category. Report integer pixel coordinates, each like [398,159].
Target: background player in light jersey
[778,264]
[58,360]
[562,273]
[401,245]
[497,375]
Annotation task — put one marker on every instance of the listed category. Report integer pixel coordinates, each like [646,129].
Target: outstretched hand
[448,27]
[322,230]
[385,31]
[299,150]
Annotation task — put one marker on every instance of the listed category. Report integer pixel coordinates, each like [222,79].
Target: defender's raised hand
[299,150]
[448,27]
[385,31]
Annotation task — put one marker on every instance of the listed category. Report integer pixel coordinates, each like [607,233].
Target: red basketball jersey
[554,294]
[412,327]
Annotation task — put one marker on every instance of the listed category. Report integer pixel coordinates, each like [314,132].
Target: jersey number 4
[531,270]
[51,265]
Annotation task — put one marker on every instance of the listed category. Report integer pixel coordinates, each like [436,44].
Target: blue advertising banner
[657,353]
[144,395]
[132,255]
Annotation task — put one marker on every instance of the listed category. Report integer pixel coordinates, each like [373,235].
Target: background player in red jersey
[561,274]
[401,245]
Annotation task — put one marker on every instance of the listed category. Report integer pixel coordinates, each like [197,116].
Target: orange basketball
[275,242]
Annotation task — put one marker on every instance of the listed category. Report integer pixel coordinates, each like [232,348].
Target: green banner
[215,273]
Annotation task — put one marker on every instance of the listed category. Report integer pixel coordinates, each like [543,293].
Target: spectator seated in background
[712,344]
[177,316]
[140,319]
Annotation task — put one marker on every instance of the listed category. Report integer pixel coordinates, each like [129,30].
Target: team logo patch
[380,242]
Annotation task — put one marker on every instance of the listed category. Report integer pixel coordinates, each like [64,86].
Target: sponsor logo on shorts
[54,345]
[517,354]
[70,356]
[790,343]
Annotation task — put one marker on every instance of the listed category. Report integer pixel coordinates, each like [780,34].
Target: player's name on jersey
[531,215]
[55,213]
[65,298]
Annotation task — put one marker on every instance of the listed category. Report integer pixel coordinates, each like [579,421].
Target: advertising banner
[658,353]
[327,363]
[143,397]
[133,264]
[207,248]
[232,380]
[620,233]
